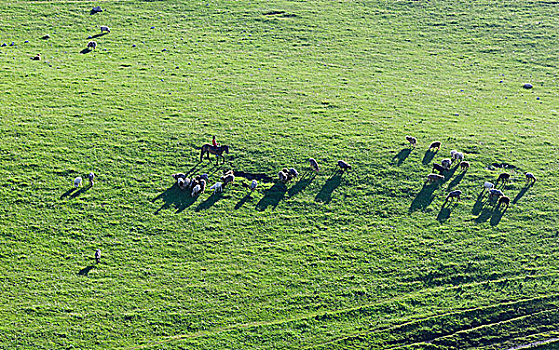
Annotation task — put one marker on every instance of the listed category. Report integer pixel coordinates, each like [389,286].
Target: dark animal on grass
[343,165]
[439,168]
[227,178]
[495,194]
[436,144]
[217,150]
[199,188]
[504,177]
[431,178]
[530,178]
[92,45]
[454,194]
[183,183]
[503,201]
[314,165]
[36,57]
[91,176]
[412,140]
[98,256]
[464,165]
[446,163]
[283,176]
[293,172]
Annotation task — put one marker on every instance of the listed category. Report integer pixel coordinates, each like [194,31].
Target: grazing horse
[217,150]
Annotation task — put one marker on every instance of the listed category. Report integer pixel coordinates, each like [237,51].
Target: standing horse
[217,150]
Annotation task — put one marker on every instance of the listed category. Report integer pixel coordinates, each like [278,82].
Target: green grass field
[371,259]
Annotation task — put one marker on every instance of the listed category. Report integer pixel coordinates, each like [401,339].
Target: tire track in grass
[339,312]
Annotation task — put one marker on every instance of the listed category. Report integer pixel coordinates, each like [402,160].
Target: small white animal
[183,182]
[458,156]
[488,185]
[452,153]
[217,187]
[196,190]
[77,181]
[105,29]
[253,185]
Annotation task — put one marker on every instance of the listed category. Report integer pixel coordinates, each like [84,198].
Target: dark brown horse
[217,150]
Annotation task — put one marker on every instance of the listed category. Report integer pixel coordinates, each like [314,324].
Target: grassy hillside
[369,259]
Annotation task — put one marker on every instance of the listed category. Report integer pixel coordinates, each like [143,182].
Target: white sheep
[282,176]
[217,187]
[458,156]
[488,186]
[196,190]
[183,182]
[452,153]
[446,163]
[253,185]
[105,29]
[78,181]
[314,164]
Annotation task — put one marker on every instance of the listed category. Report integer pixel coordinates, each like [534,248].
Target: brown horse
[217,150]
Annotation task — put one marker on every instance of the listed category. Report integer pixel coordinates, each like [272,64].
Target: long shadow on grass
[306,178]
[272,197]
[424,197]
[85,270]
[401,156]
[484,215]
[497,216]
[478,205]
[456,180]
[325,194]
[85,51]
[98,35]
[243,201]
[80,192]
[209,202]
[67,193]
[521,193]
[175,197]
[428,157]
[446,210]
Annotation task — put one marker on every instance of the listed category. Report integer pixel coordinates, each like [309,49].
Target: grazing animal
[205,177]
[183,183]
[105,29]
[494,194]
[217,150]
[37,57]
[412,140]
[91,176]
[436,144]
[228,178]
[458,156]
[488,186]
[283,177]
[446,163]
[217,187]
[434,178]
[530,177]
[464,165]
[98,256]
[439,168]
[504,177]
[503,200]
[92,45]
[293,172]
[452,153]
[196,190]
[178,176]
[77,181]
[314,164]
[343,165]
[253,185]
[454,194]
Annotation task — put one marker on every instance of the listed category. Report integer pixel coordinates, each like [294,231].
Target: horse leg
[202,154]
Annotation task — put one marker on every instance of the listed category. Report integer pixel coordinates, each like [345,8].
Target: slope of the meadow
[372,258]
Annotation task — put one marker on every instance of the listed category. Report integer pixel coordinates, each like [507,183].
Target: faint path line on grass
[472,329]
[434,316]
[534,344]
[199,334]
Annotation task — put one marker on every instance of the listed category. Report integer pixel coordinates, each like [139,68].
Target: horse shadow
[243,200]
[303,182]
[209,202]
[428,157]
[325,194]
[423,198]
[522,193]
[175,197]
[444,213]
[478,205]
[401,156]
[85,51]
[272,197]
[456,180]
[85,270]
